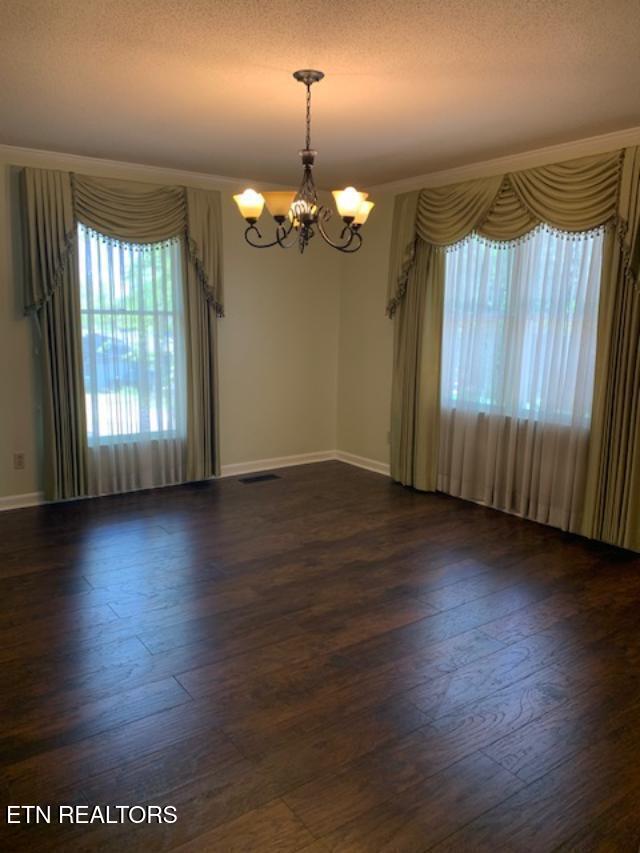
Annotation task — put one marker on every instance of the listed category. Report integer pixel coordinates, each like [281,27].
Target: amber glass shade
[250,203]
[362,214]
[348,201]
[278,203]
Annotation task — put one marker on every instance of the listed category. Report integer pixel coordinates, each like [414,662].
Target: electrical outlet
[18,461]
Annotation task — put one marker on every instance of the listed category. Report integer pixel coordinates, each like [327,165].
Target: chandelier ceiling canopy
[298,216]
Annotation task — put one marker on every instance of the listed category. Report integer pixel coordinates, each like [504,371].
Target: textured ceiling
[411,86]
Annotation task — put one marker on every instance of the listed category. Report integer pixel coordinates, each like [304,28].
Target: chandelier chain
[308,136]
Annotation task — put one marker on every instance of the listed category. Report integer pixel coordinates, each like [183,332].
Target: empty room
[319,426]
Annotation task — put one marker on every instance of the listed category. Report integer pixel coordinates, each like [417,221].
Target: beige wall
[366,343]
[278,346]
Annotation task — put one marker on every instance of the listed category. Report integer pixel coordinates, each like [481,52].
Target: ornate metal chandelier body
[298,215]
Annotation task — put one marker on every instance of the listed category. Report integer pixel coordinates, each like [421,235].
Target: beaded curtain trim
[132,247]
[574,236]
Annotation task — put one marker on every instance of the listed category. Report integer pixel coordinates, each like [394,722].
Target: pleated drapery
[576,196]
[415,397]
[51,290]
[403,248]
[127,212]
[613,488]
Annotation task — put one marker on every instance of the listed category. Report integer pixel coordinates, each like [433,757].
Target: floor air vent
[259,478]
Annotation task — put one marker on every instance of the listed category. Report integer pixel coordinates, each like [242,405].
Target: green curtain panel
[52,294]
[203,303]
[415,399]
[613,487]
[131,212]
[402,251]
[204,243]
[578,195]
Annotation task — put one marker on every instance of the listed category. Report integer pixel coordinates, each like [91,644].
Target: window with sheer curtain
[518,359]
[133,350]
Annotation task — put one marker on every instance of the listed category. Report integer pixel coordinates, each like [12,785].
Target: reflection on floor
[325,661]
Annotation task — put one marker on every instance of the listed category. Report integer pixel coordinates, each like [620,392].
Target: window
[132,339]
[520,326]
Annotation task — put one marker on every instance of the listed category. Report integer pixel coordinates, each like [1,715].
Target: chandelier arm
[280,239]
[281,232]
[347,245]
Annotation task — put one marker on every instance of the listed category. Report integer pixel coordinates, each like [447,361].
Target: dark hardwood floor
[320,662]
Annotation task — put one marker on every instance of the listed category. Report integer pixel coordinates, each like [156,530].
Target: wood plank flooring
[321,662]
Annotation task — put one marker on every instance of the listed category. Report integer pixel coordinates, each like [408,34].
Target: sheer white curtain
[133,348]
[519,345]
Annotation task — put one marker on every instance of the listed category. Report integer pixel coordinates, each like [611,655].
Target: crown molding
[18,156]
[514,162]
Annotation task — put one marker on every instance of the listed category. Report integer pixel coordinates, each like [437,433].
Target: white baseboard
[363,462]
[237,469]
[304,459]
[257,465]
[21,501]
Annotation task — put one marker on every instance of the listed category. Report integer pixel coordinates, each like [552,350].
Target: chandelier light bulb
[250,204]
[304,211]
[348,201]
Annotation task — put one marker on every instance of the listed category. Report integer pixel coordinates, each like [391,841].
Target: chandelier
[298,216]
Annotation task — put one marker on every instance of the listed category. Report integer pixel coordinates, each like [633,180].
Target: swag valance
[578,195]
[123,210]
